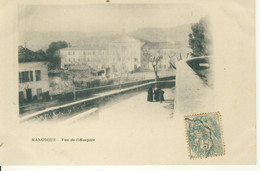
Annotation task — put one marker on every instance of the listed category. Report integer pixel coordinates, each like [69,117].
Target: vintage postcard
[128,83]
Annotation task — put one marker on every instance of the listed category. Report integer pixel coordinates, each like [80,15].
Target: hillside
[179,33]
[41,40]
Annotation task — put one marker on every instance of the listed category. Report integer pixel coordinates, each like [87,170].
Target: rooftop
[94,46]
[159,45]
[125,39]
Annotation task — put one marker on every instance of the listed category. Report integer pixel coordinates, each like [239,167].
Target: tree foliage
[200,39]
[155,61]
[26,55]
[52,54]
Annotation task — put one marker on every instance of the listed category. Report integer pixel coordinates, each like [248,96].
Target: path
[192,95]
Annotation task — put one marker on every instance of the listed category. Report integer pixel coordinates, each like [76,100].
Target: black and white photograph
[129,83]
[74,64]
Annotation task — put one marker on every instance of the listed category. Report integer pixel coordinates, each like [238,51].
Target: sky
[105,17]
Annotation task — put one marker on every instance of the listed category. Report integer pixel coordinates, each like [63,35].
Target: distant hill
[179,34]
[41,40]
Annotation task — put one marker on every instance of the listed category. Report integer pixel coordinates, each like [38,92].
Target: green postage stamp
[204,135]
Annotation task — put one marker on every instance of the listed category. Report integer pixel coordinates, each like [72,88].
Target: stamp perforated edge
[221,130]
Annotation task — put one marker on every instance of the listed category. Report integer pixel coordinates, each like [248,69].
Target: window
[69,59]
[69,53]
[74,59]
[79,59]
[31,76]
[73,53]
[38,75]
[135,59]
[25,76]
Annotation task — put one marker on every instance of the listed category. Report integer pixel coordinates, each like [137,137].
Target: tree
[200,39]
[41,55]
[52,55]
[27,55]
[171,61]
[155,61]
[171,64]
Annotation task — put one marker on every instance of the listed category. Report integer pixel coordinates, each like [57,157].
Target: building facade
[124,54]
[33,80]
[94,56]
[168,51]
[121,55]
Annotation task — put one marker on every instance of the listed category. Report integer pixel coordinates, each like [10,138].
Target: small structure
[33,81]
[33,76]
[98,72]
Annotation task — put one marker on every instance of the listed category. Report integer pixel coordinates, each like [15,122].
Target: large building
[93,55]
[124,54]
[33,80]
[169,53]
[121,54]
